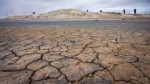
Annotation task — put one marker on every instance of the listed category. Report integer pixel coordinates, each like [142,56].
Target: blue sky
[20,7]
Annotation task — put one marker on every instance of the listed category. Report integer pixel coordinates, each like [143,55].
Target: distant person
[101,11]
[134,11]
[33,13]
[124,11]
[87,10]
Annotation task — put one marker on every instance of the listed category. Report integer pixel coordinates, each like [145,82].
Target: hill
[74,14]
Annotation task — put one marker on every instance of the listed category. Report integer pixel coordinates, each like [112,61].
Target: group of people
[124,11]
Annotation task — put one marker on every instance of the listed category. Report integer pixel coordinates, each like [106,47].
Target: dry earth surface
[37,55]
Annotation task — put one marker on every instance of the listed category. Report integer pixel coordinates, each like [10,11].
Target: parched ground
[74,56]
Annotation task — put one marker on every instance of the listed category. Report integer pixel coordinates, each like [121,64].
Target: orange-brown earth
[74,56]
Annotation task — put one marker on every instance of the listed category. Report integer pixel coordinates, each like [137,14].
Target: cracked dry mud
[74,56]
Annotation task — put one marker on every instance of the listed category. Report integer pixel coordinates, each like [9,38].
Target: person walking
[87,10]
[124,11]
[134,11]
[33,13]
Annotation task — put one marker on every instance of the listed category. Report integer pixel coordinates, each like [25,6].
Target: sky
[26,7]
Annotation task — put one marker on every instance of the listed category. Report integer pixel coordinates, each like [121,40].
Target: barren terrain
[38,55]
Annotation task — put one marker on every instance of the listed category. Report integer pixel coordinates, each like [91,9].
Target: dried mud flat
[74,56]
